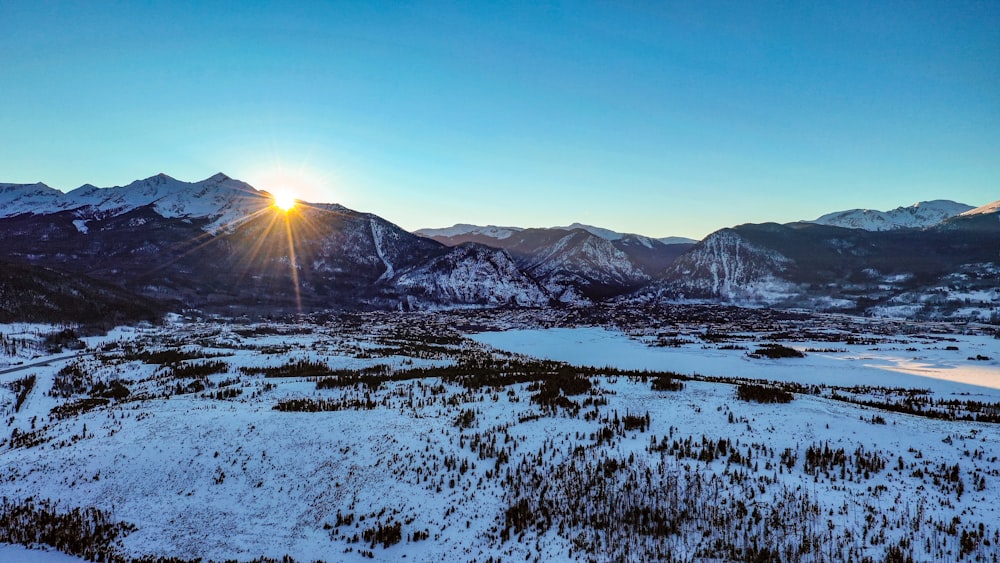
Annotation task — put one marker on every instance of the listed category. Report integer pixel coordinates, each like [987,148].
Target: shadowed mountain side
[312,257]
[45,295]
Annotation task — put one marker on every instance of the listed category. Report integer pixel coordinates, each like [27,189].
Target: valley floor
[477,436]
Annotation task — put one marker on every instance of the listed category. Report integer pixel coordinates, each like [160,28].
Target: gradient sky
[651,117]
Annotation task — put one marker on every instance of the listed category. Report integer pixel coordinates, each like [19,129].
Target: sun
[284,201]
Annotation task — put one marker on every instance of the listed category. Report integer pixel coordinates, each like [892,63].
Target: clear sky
[654,117]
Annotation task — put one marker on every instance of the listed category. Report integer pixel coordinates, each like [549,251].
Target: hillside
[50,296]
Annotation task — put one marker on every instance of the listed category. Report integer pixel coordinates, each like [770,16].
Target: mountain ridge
[494,231]
[221,244]
[919,215]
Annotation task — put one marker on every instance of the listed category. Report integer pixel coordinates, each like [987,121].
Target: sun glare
[284,202]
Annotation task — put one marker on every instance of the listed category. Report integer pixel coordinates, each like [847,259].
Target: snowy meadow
[683,434]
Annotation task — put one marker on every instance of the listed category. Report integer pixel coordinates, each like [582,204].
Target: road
[44,362]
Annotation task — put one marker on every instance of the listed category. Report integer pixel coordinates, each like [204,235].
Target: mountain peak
[16,199]
[160,178]
[218,177]
[606,234]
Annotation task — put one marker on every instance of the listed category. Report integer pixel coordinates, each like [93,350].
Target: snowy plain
[234,478]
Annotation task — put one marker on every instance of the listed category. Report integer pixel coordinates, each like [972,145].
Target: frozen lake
[932,366]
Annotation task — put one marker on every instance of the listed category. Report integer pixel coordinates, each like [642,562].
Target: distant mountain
[465,230]
[919,215]
[219,243]
[948,269]
[677,240]
[608,234]
[576,264]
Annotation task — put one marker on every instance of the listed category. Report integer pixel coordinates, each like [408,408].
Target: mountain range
[575,264]
[220,245]
[950,269]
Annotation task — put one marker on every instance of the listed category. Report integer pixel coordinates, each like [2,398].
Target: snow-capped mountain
[220,243]
[677,240]
[466,230]
[608,234]
[919,215]
[219,198]
[576,264]
[16,199]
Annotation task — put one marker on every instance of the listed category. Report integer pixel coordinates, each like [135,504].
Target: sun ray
[197,243]
[293,263]
[264,245]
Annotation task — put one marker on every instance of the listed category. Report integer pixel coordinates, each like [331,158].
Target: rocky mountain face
[576,264]
[919,215]
[950,269]
[220,244]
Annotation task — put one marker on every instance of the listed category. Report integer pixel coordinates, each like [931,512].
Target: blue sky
[657,118]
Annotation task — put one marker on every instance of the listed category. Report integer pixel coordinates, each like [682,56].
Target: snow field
[234,478]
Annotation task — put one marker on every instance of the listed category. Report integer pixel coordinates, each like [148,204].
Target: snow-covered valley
[471,436]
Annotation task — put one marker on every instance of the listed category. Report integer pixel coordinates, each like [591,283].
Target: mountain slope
[221,244]
[50,296]
[918,215]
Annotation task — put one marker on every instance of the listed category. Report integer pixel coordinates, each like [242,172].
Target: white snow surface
[20,554]
[918,215]
[942,371]
[221,479]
